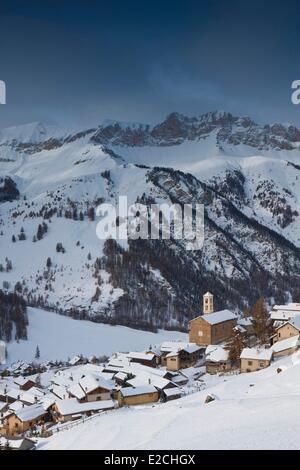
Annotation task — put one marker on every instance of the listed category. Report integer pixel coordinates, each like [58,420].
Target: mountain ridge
[49,191]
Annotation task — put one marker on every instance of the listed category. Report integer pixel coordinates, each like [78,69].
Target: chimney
[208,303]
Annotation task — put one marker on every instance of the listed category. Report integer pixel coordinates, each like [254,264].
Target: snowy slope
[251,411]
[246,175]
[59,337]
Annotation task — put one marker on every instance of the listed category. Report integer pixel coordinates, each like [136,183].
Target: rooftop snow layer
[131,392]
[216,353]
[72,406]
[219,317]
[260,354]
[30,412]
[285,344]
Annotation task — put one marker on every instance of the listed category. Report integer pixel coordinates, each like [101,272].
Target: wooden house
[183,358]
[171,394]
[137,396]
[253,359]
[145,358]
[92,388]
[24,419]
[286,330]
[285,347]
[25,383]
[70,410]
[217,360]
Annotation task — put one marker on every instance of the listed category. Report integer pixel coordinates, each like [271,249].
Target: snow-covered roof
[60,391]
[74,360]
[30,412]
[281,315]
[155,350]
[219,317]
[291,306]
[91,382]
[142,380]
[17,405]
[171,392]
[245,321]
[76,391]
[47,401]
[260,354]
[131,392]
[14,443]
[191,348]
[208,294]
[21,381]
[13,393]
[168,346]
[285,312]
[173,347]
[180,378]
[285,344]
[141,355]
[72,406]
[173,353]
[216,353]
[240,328]
[32,395]
[120,375]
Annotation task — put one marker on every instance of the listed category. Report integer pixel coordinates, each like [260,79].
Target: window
[16,425]
[261,364]
[279,335]
[250,363]
[200,333]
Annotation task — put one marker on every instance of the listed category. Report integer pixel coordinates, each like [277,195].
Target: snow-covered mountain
[246,175]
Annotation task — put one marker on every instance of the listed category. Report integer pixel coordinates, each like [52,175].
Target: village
[40,399]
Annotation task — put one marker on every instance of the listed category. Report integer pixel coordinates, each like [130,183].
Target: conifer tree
[263,327]
[236,343]
[37,353]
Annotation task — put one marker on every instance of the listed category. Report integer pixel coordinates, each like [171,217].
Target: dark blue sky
[80,62]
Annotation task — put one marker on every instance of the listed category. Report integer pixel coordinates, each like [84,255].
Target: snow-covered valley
[60,338]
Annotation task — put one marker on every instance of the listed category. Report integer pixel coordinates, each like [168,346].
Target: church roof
[218,317]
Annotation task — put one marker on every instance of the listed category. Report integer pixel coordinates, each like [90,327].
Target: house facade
[24,420]
[253,360]
[286,330]
[148,358]
[217,360]
[183,358]
[70,410]
[137,396]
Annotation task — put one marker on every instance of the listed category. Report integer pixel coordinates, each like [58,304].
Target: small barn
[217,359]
[137,396]
[24,419]
[253,359]
[286,347]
